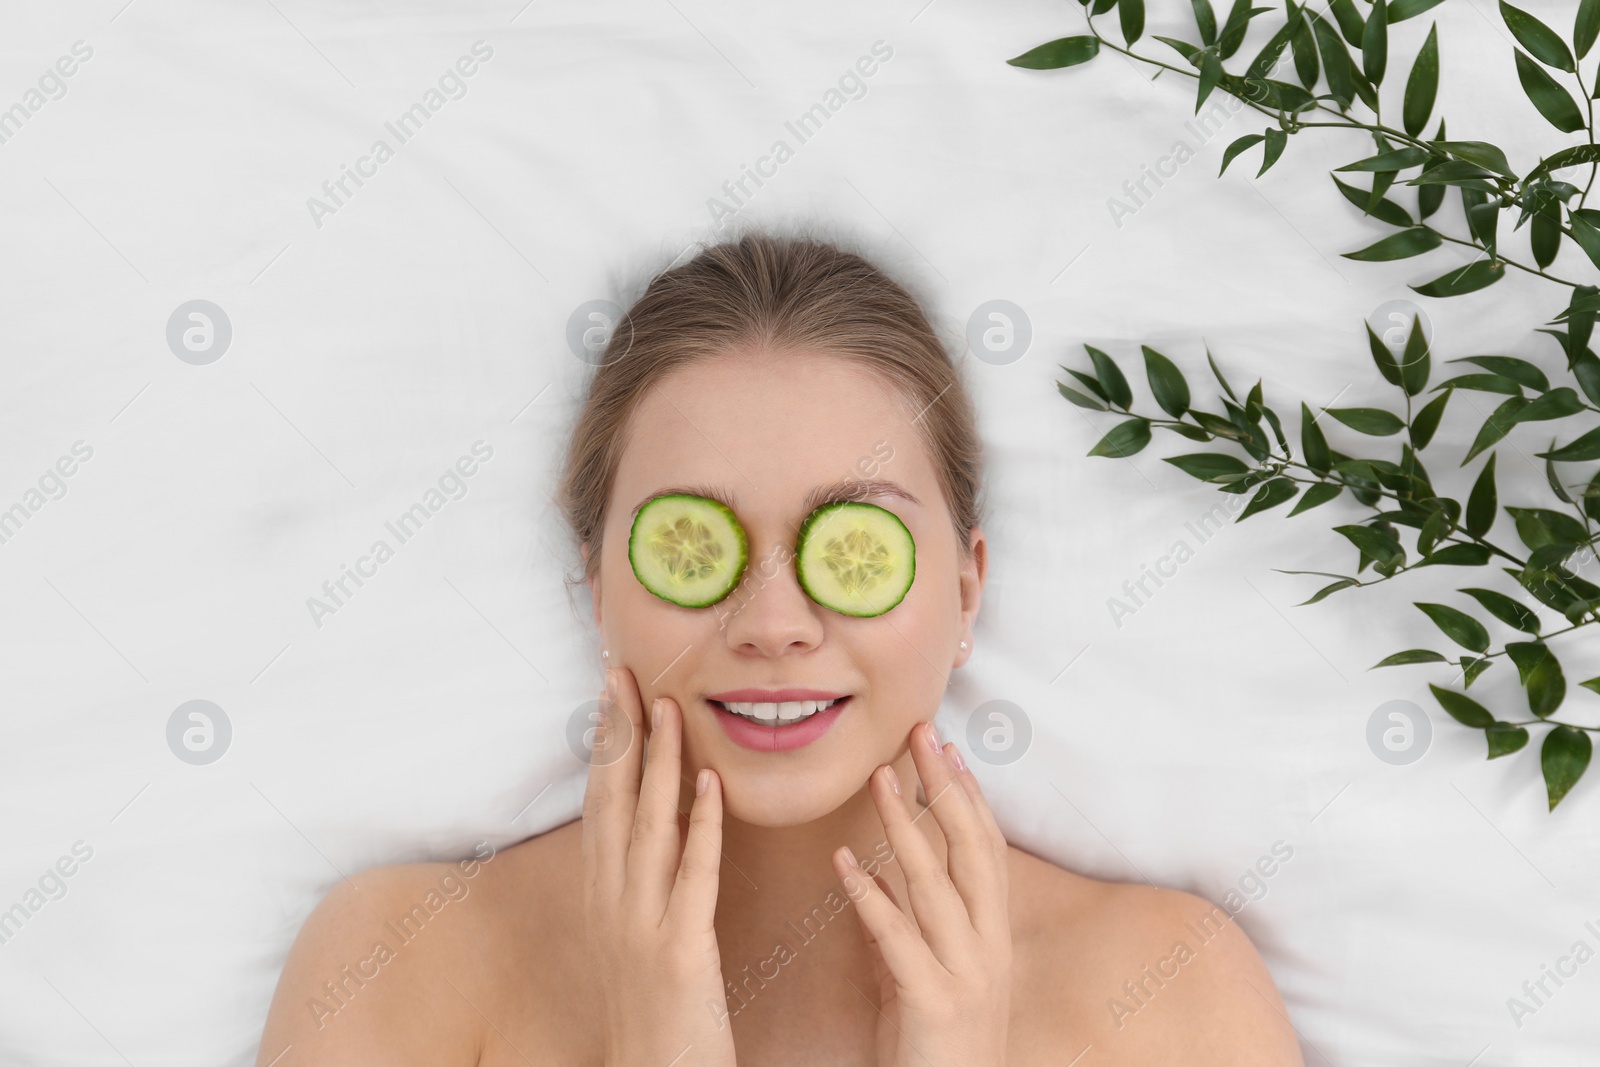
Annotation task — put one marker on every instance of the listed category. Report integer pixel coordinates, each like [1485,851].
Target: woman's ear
[973,572]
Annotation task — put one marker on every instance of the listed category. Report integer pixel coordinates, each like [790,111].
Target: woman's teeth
[788,711]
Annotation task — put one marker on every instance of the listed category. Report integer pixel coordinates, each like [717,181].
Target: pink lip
[772,696]
[746,734]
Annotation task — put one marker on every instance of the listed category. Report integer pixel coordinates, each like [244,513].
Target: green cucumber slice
[687,550]
[854,558]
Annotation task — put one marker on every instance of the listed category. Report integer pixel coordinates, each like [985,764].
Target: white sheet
[429,312]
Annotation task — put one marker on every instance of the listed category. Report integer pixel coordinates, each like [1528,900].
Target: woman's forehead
[771,432]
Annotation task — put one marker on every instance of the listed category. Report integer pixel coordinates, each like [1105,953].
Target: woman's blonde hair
[783,294]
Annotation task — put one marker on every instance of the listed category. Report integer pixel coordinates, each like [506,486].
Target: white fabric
[372,346]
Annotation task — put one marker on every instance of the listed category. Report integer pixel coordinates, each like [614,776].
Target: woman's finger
[887,928]
[653,855]
[992,920]
[694,896]
[612,792]
[938,908]
[970,857]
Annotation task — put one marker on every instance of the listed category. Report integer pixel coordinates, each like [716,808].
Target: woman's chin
[775,802]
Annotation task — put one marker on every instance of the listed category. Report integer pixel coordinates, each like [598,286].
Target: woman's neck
[778,884]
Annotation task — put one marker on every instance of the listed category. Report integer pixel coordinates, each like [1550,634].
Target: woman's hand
[944,994]
[650,893]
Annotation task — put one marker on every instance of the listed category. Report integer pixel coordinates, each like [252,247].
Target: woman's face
[767,432]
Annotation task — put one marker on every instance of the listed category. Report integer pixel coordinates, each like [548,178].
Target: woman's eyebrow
[843,489]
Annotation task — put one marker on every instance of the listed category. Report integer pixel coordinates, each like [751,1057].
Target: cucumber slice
[687,550]
[854,558]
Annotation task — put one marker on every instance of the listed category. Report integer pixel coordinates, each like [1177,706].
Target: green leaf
[1334,587]
[1312,444]
[1539,39]
[1208,465]
[1411,655]
[1568,157]
[1079,399]
[1504,738]
[1587,26]
[1304,46]
[1423,85]
[1586,368]
[1383,357]
[1558,403]
[1547,686]
[1090,383]
[1320,493]
[1456,172]
[1270,495]
[1131,14]
[1276,139]
[1166,382]
[1336,65]
[1482,503]
[1462,708]
[1509,366]
[1507,610]
[1414,361]
[1183,48]
[1385,210]
[1427,420]
[1211,73]
[1496,426]
[1124,440]
[1110,375]
[1587,236]
[1593,684]
[1378,544]
[1545,240]
[1585,447]
[1401,10]
[1480,153]
[1062,52]
[1540,526]
[1553,102]
[1236,25]
[1375,43]
[1351,25]
[1591,498]
[1226,388]
[1563,758]
[1469,279]
[1397,160]
[1483,383]
[1457,555]
[1402,245]
[1205,20]
[1460,627]
[1374,421]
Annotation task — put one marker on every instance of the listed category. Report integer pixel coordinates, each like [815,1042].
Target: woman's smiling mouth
[775,725]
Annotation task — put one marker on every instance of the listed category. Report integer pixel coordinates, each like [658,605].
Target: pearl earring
[606,655]
[963,644]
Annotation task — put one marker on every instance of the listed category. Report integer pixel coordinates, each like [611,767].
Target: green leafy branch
[1399,489]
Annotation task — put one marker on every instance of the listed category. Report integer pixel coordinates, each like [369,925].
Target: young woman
[775,485]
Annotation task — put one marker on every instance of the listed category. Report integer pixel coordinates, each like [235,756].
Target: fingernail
[894,779]
[851,856]
[933,740]
[956,760]
[702,782]
[655,714]
[611,684]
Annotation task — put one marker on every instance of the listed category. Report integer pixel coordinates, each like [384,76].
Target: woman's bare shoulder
[1141,973]
[422,962]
